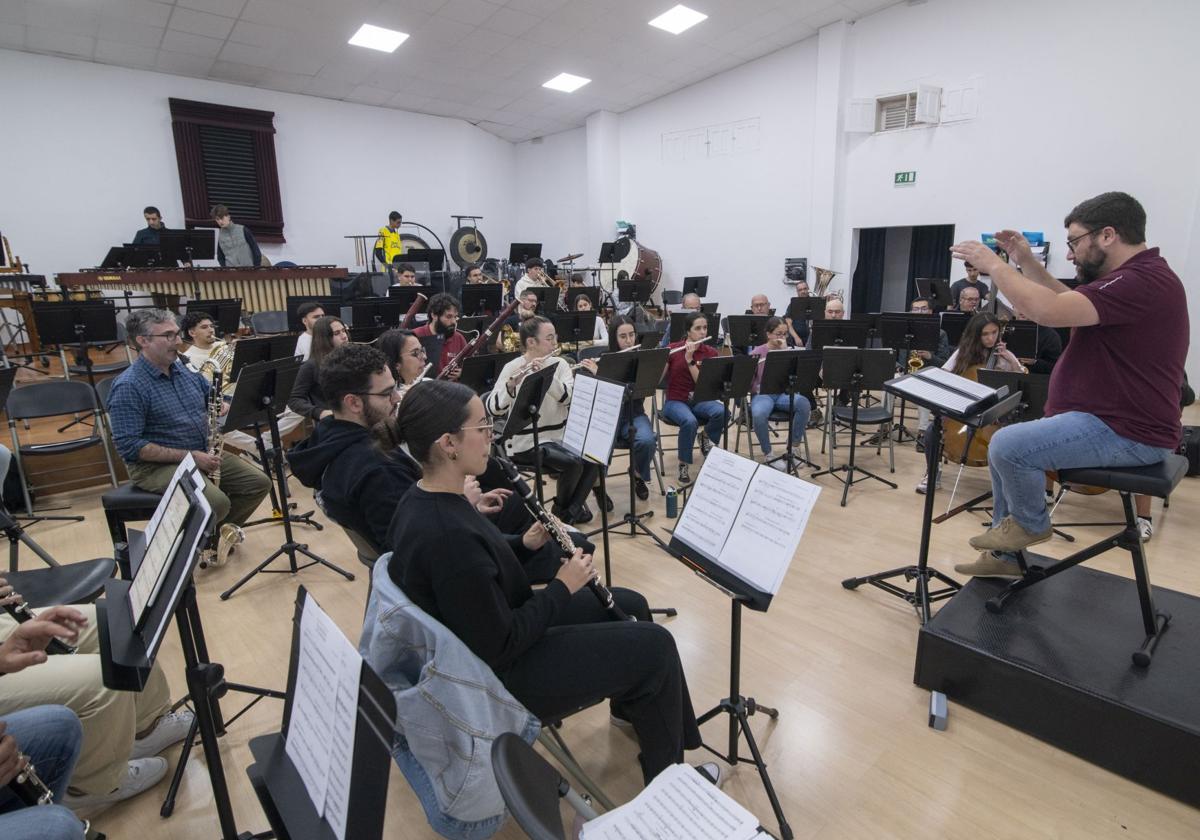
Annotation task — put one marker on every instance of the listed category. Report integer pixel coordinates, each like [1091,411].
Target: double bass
[963,445]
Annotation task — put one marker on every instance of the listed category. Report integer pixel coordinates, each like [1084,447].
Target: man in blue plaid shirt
[158,409]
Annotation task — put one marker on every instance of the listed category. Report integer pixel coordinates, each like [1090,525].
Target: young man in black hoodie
[359,483]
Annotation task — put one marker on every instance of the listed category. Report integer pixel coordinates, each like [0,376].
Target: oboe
[559,534]
[22,613]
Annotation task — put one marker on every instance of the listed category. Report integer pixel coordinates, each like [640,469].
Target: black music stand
[1021,338]
[187,246]
[696,285]
[380,313]
[574,327]
[836,332]
[906,333]
[650,339]
[640,371]
[226,313]
[725,379]
[801,310]
[525,411]
[406,296]
[855,370]
[433,345]
[519,252]
[924,575]
[953,324]
[936,290]
[747,331]
[736,705]
[331,306]
[547,297]
[280,789]
[479,372]
[793,372]
[678,330]
[592,293]
[82,323]
[482,299]
[127,653]
[261,393]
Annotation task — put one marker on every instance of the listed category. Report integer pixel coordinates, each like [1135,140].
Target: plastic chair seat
[128,497]
[529,786]
[60,447]
[1155,480]
[871,416]
[75,583]
[110,367]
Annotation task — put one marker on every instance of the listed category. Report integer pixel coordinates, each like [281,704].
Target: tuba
[824,278]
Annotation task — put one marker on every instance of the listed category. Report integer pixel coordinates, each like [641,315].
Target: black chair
[103,369]
[269,322]
[672,297]
[531,789]
[51,399]
[1155,480]
[74,583]
[126,504]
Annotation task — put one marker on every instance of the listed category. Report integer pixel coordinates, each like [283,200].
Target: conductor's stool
[1155,480]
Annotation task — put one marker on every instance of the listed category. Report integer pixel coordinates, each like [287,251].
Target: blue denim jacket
[450,706]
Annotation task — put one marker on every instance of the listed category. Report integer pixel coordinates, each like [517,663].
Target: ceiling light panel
[678,19]
[378,38]
[566,82]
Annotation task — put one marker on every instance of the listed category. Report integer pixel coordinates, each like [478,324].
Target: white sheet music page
[678,805]
[763,540]
[579,415]
[921,388]
[953,380]
[314,706]
[606,416]
[713,504]
[341,736]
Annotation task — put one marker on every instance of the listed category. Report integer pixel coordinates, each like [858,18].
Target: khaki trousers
[242,487]
[111,719]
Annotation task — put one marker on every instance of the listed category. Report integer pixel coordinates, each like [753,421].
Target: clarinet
[22,613]
[558,533]
[29,788]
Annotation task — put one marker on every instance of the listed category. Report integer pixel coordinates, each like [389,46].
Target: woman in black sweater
[555,649]
[306,399]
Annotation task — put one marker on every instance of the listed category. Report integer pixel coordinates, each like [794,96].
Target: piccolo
[558,533]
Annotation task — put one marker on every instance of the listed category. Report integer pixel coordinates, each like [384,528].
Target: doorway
[889,261]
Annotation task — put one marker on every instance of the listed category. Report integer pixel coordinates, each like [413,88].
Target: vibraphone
[260,289]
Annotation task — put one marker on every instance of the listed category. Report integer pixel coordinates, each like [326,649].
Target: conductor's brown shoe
[990,566]
[1008,536]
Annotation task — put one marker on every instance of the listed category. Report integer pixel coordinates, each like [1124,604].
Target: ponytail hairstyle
[615,324]
[430,409]
[530,328]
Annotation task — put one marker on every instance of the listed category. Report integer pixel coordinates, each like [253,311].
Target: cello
[963,445]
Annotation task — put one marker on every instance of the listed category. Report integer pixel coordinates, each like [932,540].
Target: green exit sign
[905,178]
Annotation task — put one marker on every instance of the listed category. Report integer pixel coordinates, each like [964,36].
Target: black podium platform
[1055,664]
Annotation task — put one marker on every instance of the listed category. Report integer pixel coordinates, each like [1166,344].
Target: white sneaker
[170,729]
[780,465]
[143,774]
[1145,528]
[924,484]
[711,771]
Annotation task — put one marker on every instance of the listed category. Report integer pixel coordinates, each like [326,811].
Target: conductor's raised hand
[1016,246]
[978,255]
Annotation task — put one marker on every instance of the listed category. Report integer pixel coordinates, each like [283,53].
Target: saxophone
[220,362]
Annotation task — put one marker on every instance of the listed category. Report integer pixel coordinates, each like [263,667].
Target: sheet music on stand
[593,418]
[324,709]
[941,390]
[747,518]
[678,805]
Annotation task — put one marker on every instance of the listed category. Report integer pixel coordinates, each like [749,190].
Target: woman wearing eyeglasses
[406,356]
[555,649]
[306,399]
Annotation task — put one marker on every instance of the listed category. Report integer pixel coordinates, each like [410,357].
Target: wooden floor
[850,754]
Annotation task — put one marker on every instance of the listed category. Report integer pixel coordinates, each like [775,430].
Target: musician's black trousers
[575,477]
[587,657]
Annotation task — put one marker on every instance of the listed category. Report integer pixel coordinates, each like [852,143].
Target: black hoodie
[360,485]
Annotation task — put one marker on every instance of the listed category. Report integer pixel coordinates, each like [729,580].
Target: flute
[558,533]
[686,345]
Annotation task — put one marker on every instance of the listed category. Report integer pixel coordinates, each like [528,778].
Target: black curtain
[866,289]
[928,256]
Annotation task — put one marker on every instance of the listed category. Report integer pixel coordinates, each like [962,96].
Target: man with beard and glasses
[1114,393]
[443,322]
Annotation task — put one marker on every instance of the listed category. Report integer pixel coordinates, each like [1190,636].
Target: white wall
[551,206]
[93,145]
[1076,98]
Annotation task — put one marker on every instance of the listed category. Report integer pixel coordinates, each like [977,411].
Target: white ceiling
[483,61]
